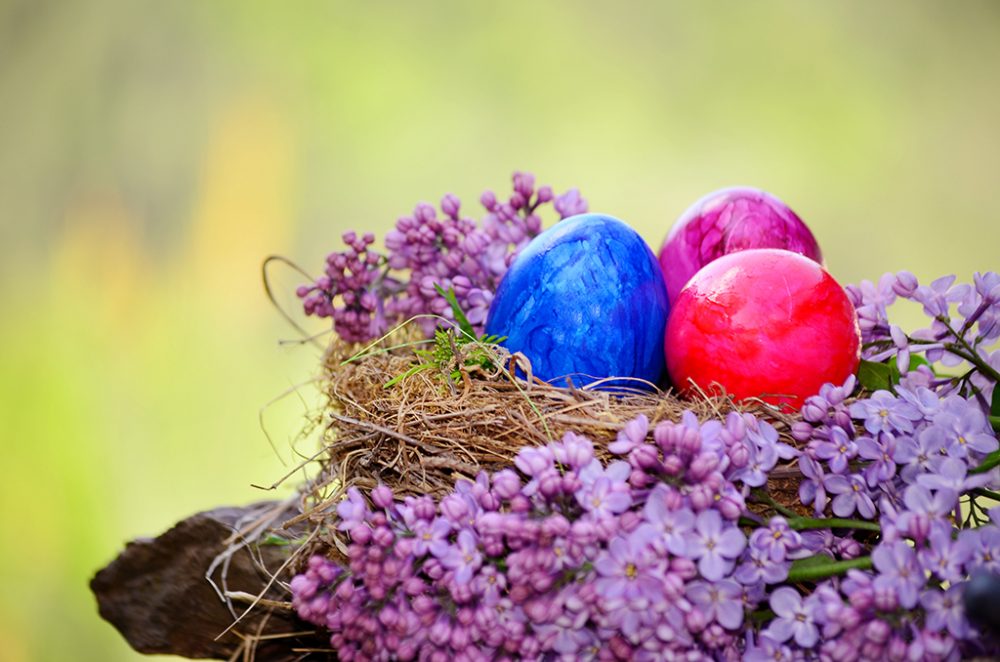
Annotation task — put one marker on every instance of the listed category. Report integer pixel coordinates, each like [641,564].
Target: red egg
[762,323]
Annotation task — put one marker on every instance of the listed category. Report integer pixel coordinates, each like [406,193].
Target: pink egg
[762,323]
[726,221]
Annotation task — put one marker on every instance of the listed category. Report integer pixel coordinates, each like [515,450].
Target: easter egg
[764,323]
[584,300]
[726,221]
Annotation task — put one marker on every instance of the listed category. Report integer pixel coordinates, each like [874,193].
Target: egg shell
[586,300]
[727,221]
[764,323]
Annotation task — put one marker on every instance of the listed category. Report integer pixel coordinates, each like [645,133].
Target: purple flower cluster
[656,555]
[961,337]
[365,292]
[564,556]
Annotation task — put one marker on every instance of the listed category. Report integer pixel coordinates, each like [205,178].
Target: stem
[812,572]
[764,497]
[807,523]
[989,494]
[973,356]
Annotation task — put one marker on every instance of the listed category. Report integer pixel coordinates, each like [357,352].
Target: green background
[152,154]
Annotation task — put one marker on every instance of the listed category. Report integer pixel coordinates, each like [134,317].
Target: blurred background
[153,153]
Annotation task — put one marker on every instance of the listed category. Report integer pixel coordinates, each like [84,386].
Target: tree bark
[156,594]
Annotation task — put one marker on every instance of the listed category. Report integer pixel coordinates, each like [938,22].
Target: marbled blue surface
[585,299]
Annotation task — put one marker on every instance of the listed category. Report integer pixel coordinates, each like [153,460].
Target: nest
[429,429]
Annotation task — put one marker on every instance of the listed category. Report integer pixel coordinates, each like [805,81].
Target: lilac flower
[919,453]
[714,545]
[813,488]
[672,527]
[944,610]
[766,649]
[943,556]
[719,601]
[604,497]
[899,572]
[838,450]
[463,558]
[777,540]
[630,573]
[967,428]
[951,474]
[885,412]
[852,494]
[570,204]
[759,568]
[630,436]
[938,296]
[431,537]
[923,508]
[793,618]
[983,546]
[879,452]
[352,511]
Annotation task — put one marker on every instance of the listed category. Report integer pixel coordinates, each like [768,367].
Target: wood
[157,596]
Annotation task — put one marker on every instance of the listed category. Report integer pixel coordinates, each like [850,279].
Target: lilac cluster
[964,328]
[365,292]
[565,557]
[658,555]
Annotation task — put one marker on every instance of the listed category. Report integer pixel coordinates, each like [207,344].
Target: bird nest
[391,418]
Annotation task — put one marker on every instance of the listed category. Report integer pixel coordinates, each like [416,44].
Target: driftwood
[157,595]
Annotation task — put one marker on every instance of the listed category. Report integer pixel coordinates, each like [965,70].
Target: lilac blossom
[898,571]
[852,494]
[719,601]
[714,545]
[794,618]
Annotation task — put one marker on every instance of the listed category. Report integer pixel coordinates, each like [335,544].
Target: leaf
[463,321]
[874,376]
[990,461]
[995,405]
[420,367]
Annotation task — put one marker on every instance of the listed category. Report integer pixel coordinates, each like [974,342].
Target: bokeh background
[153,153]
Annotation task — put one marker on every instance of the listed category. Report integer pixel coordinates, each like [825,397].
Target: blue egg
[585,300]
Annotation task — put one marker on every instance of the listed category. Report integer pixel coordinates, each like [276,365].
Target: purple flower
[766,650]
[983,545]
[759,568]
[852,494]
[464,557]
[919,453]
[720,601]
[812,489]
[630,573]
[631,436]
[899,572]
[777,540]
[672,527]
[924,508]
[967,429]
[714,545]
[944,610]
[604,497]
[879,451]
[793,618]
[885,412]
[838,450]
[951,474]
[353,510]
[570,204]
[431,537]
[943,556]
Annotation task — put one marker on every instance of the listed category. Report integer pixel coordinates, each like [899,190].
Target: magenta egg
[727,221]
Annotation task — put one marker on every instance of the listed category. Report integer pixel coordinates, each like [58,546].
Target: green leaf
[991,460]
[463,321]
[995,405]
[874,376]
[420,367]
[808,569]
